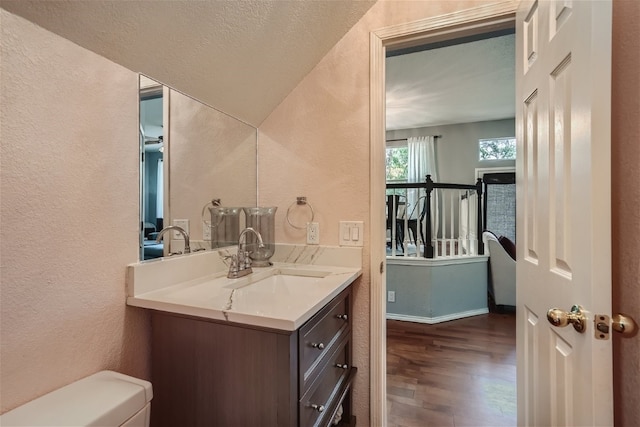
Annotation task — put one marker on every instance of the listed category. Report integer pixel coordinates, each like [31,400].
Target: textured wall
[69,214]
[235,55]
[316,144]
[625,127]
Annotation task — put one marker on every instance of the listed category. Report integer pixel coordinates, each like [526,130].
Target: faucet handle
[233,258]
[243,260]
[247,259]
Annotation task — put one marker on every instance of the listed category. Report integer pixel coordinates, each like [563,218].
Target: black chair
[412,223]
[393,203]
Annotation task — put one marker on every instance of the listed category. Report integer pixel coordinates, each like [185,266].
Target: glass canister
[225,226]
[263,221]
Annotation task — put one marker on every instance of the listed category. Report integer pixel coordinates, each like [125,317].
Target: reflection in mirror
[151,167]
[201,154]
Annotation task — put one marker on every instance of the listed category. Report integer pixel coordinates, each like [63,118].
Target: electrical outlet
[391,296]
[206,232]
[182,223]
[313,233]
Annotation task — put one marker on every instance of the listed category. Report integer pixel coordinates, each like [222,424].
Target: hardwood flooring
[457,373]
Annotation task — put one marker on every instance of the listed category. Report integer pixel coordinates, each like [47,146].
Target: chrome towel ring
[213,203]
[300,201]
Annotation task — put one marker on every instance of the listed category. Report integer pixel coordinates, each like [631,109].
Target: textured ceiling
[469,82]
[241,57]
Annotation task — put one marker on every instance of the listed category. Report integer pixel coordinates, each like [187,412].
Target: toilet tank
[106,398]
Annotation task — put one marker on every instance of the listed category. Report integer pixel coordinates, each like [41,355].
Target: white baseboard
[439,319]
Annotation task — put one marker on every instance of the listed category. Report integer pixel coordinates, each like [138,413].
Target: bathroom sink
[281,292]
[220,292]
[278,279]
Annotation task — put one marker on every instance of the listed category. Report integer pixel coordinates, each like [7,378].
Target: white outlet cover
[182,223]
[313,233]
[206,232]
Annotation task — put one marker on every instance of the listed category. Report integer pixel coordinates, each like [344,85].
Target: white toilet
[106,399]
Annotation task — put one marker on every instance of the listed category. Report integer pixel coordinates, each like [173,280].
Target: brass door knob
[561,318]
[624,324]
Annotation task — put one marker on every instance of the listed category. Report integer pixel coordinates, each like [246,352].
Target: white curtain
[160,190]
[422,162]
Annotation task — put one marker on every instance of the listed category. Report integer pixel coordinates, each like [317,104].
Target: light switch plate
[351,233]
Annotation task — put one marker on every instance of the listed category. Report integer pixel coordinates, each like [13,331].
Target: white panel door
[563,80]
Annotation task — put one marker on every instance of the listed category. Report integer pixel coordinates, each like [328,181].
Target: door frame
[457,24]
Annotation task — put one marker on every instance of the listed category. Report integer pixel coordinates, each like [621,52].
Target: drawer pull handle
[319,346]
[319,408]
[343,317]
[342,366]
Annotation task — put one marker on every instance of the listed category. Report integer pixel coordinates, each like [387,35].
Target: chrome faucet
[185,235]
[241,263]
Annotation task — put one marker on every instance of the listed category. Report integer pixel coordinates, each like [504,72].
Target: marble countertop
[283,296]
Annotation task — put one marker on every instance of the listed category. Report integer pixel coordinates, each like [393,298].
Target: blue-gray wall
[427,291]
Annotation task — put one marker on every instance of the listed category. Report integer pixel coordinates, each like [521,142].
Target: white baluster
[452,224]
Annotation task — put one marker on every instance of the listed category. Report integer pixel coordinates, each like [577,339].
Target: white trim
[439,319]
[378,237]
[436,262]
[166,161]
[481,171]
[471,21]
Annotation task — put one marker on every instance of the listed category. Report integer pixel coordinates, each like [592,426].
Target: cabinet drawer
[315,405]
[323,331]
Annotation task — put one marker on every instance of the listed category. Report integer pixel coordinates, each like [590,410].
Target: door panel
[563,75]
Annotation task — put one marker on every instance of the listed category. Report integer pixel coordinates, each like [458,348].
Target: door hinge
[381,267]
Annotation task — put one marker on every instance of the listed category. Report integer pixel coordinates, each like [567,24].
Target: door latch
[620,323]
[601,326]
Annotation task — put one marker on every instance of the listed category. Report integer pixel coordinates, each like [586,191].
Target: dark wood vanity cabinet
[210,373]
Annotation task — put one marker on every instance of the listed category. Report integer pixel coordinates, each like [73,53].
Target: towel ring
[300,200]
[213,203]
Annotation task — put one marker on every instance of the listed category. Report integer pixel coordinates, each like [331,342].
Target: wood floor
[458,373]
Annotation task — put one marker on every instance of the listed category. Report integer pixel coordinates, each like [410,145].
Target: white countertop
[289,293]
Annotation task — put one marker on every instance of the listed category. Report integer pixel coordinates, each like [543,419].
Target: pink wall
[316,144]
[69,214]
[322,130]
[625,127]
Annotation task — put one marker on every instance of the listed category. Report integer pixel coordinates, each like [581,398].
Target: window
[497,149]
[397,163]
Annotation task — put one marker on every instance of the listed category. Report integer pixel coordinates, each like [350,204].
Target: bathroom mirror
[190,154]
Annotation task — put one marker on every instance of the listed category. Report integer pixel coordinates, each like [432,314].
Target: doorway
[463,91]
[462,24]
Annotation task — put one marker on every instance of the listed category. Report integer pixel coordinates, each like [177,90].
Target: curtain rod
[404,139]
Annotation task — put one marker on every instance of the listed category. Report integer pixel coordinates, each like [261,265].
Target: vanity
[271,348]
